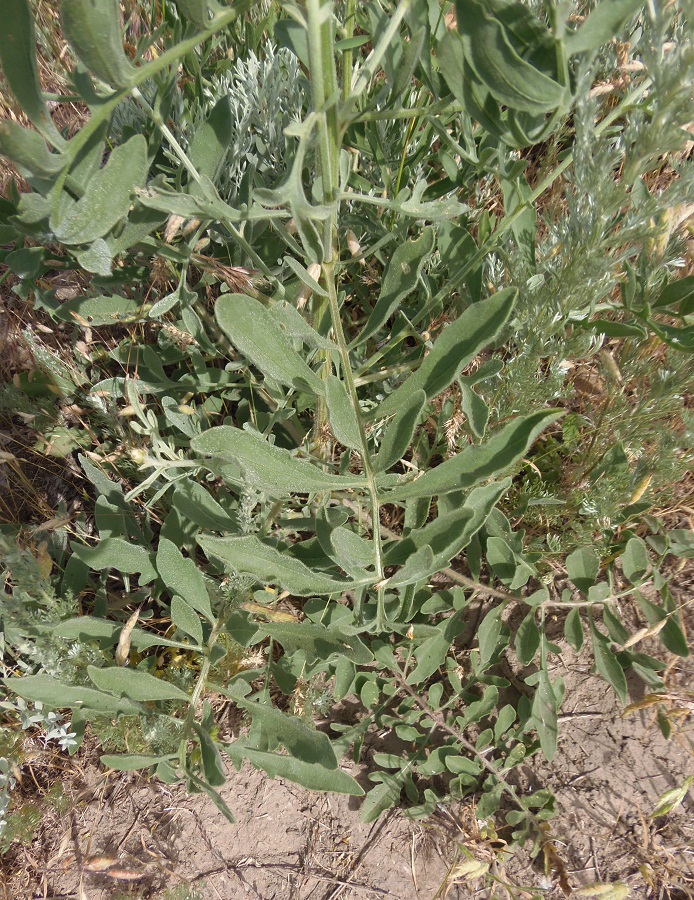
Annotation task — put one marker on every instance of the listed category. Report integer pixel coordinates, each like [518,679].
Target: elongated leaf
[418,566]
[93,29]
[582,567]
[132,762]
[343,419]
[544,711]
[312,776]
[84,628]
[509,78]
[28,150]
[186,619]
[211,758]
[474,464]
[671,633]
[115,553]
[635,560]
[457,345]
[527,641]
[99,311]
[607,664]
[673,798]
[18,58]
[211,141]
[107,198]
[488,633]
[268,565]
[311,761]
[294,325]
[317,641]
[573,629]
[400,279]
[181,576]
[400,431]
[134,684]
[601,26]
[270,468]
[56,695]
[251,329]
[196,11]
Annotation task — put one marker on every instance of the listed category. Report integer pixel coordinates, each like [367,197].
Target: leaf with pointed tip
[544,711]
[294,325]
[455,347]
[134,684]
[28,150]
[317,641]
[252,330]
[116,553]
[343,419]
[181,576]
[400,279]
[186,619]
[93,29]
[488,633]
[607,664]
[269,566]
[131,762]
[399,433]
[209,147]
[56,695]
[18,58]
[474,464]
[601,25]
[272,469]
[107,198]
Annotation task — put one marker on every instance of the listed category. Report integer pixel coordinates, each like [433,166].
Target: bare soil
[126,836]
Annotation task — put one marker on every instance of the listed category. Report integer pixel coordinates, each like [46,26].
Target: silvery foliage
[266,94]
[53,728]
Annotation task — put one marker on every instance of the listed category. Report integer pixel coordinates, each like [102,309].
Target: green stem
[198,689]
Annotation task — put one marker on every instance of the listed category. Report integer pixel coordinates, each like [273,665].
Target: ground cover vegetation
[349,349]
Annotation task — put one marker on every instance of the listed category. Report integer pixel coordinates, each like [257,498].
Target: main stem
[324,95]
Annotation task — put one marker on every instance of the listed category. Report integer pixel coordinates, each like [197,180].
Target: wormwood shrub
[316,518]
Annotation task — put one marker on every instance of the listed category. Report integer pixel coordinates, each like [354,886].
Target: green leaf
[107,198]
[209,147]
[607,664]
[56,695]
[271,469]
[181,576]
[270,566]
[252,330]
[93,29]
[115,553]
[635,560]
[573,629]
[131,762]
[28,150]
[488,633]
[400,279]
[317,641]
[292,35]
[196,11]
[673,798]
[186,619]
[211,758]
[18,58]
[399,433]
[456,346]
[214,796]
[294,325]
[85,628]
[527,640]
[680,291]
[99,311]
[311,761]
[134,684]
[474,464]
[602,24]
[379,799]
[473,408]
[544,711]
[449,532]
[419,565]
[343,419]
[582,567]
[511,80]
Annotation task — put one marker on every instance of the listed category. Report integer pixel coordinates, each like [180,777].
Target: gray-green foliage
[277,434]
